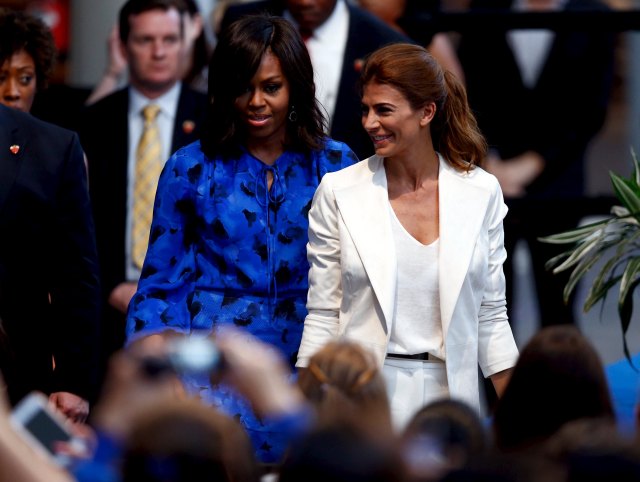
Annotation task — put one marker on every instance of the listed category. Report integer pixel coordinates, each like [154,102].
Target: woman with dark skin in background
[27,57]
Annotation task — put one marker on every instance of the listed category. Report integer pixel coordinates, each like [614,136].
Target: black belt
[416,356]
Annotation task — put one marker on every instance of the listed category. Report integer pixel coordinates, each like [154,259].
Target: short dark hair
[21,31]
[136,7]
[453,426]
[234,63]
[189,440]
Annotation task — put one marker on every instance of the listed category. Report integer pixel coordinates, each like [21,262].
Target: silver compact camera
[188,355]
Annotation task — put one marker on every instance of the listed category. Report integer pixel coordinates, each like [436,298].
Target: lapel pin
[188,126]
[357,65]
[14,149]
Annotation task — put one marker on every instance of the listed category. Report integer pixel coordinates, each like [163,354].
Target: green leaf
[625,309]
[577,274]
[594,242]
[599,286]
[579,253]
[620,211]
[629,279]
[598,293]
[626,194]
[636,166]
[597,255]
[629,235]
[556,260]
[574,235]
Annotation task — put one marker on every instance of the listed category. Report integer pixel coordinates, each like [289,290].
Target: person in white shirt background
[540,97]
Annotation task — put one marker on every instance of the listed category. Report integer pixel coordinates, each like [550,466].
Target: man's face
[310,14]
[153,50]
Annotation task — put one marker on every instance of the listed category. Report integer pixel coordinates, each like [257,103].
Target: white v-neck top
[417,325]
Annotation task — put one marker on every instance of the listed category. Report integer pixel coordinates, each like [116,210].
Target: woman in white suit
[406,248]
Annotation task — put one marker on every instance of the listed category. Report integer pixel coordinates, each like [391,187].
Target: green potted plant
[615,241]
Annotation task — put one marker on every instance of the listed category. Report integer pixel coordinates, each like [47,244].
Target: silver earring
[293,115]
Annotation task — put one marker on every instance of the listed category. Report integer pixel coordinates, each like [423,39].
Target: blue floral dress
[225,250]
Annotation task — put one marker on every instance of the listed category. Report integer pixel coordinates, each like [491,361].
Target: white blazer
[352,276]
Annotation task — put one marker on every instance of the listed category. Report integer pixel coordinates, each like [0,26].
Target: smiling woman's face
[18,81]
[264,105]
[394,126]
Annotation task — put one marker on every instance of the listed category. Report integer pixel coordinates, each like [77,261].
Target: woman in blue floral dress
[229,232]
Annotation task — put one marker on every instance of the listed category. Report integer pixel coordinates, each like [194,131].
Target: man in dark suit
[540,97]
[151,34]
[49,283]
[338,35]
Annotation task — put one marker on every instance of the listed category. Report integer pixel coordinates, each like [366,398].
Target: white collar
[335,23]
[168,101]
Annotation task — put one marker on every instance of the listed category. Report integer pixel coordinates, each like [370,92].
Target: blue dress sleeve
[335,156]
[169,272]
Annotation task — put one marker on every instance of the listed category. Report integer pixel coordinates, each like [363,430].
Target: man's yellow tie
[148,168]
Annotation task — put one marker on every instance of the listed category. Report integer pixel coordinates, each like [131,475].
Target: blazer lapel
[462,209]
[9,162]
[189,118]
[180,134]
[364,208]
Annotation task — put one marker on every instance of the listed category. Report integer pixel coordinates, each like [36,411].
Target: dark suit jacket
[558,117]
[105,137]
[366,34]
[49,283]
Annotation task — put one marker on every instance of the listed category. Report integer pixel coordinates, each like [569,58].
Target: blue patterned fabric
[225,250]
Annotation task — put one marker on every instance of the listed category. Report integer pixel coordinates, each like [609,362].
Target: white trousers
[412,384]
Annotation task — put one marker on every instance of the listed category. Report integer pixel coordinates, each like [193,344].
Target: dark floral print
[225,250]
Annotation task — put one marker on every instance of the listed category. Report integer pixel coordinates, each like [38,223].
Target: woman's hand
[73,407]
[517,173]
[130,390]
[121,295]
[500,381]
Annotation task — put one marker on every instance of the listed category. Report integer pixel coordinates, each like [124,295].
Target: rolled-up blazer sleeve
[497,350]
[325,274]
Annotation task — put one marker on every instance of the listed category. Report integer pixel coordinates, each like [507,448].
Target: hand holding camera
[188,355]
[138,377]
[257,370]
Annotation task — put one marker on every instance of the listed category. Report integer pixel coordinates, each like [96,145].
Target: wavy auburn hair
[412,71]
